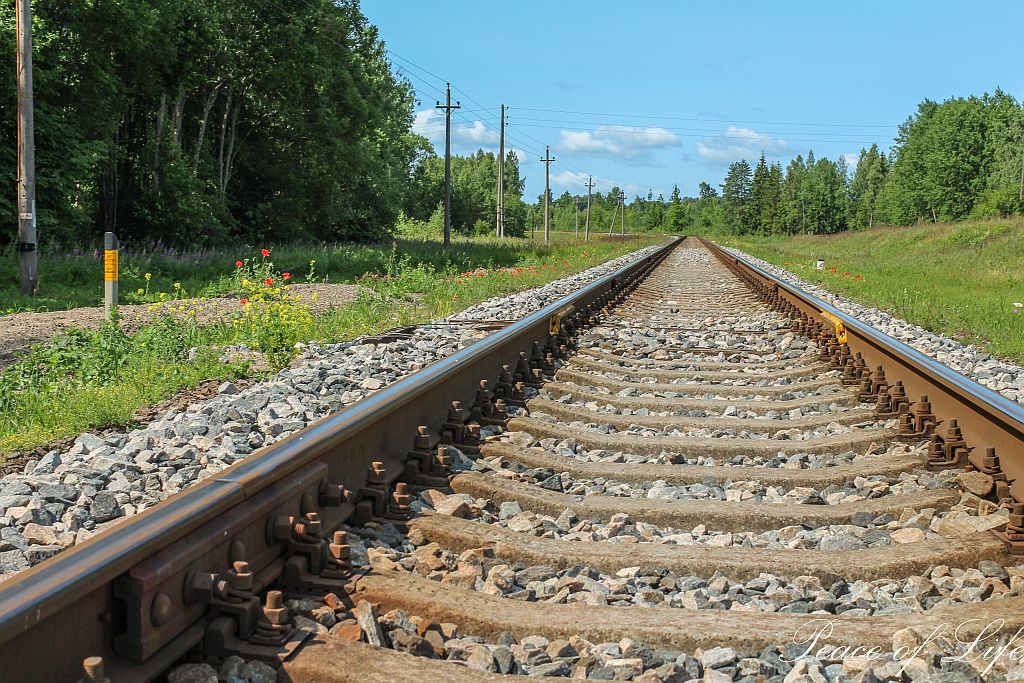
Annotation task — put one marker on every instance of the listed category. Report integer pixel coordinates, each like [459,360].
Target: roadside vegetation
[86,379]
[963,280]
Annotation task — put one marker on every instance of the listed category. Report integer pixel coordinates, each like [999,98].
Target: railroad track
[686,470]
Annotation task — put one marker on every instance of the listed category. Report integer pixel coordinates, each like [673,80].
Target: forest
[205,123]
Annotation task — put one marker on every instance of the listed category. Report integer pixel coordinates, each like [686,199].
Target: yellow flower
[177,285]
[148,276]
[140,290]
[316,295]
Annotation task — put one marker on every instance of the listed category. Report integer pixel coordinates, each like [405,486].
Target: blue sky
[649,94]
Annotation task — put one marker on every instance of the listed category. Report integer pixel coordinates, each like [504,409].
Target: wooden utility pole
[590,187]
[547,192]
[447,106]
[577,217]
[28,255]
[615,208]
[499,224]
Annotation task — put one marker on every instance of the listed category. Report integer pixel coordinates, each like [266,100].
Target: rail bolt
[161,610]
[275,611]
[92,667]
[240,577]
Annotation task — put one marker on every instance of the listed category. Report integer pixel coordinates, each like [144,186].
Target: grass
[961,280]
[72,278]
[89,379]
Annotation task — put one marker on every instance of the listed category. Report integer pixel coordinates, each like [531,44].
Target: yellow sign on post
[110,265]
[110,248]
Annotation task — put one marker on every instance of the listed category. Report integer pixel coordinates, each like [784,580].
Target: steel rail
[83,598]
[985,418]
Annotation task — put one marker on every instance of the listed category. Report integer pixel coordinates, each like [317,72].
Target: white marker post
[110,249]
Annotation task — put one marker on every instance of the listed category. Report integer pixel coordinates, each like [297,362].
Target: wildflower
[265,252]
[286,276]
[455,297]
[238,264]
[269,281]
[1017,304]
[148,276]
[140,290]
[316,295]
[245,301]
[858,278]
[177,285]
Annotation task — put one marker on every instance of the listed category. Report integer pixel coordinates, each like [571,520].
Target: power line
[706,120]
[682,128]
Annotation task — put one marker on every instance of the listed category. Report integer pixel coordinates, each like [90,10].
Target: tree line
[961,158]
[203,122]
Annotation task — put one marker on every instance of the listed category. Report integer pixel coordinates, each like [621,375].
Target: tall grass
[71,278]
[960,279]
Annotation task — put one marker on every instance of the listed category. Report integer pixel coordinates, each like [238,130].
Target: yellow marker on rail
[838,324]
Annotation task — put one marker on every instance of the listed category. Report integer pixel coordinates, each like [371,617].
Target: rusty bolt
[401,495]
[203,588]
[275,611]
[93,669]
[332,495]
[376,474]
[456,413]
[422,437]
[280,528]
[990,464]
[240,577]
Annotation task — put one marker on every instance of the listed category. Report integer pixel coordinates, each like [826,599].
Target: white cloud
[467,136]
[851,159]
[629,142]
[739,143]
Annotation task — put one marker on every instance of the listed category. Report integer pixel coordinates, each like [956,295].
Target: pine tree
[736,195]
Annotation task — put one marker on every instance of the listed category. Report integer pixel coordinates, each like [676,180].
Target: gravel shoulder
[18,331]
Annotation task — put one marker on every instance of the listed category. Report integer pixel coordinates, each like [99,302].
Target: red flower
[244,300]
[238,264]
[286,276]
[269,281]
[265,252]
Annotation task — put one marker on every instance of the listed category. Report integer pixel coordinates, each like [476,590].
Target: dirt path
[18,331]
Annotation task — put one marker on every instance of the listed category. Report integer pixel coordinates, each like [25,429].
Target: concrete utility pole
[1020,193]
[615,208]
[28,255]
[622,214]
[547,174]
[499,224]
[590,187]
[577,217]
[447,106]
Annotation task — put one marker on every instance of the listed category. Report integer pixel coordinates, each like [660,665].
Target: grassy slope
[960,280]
